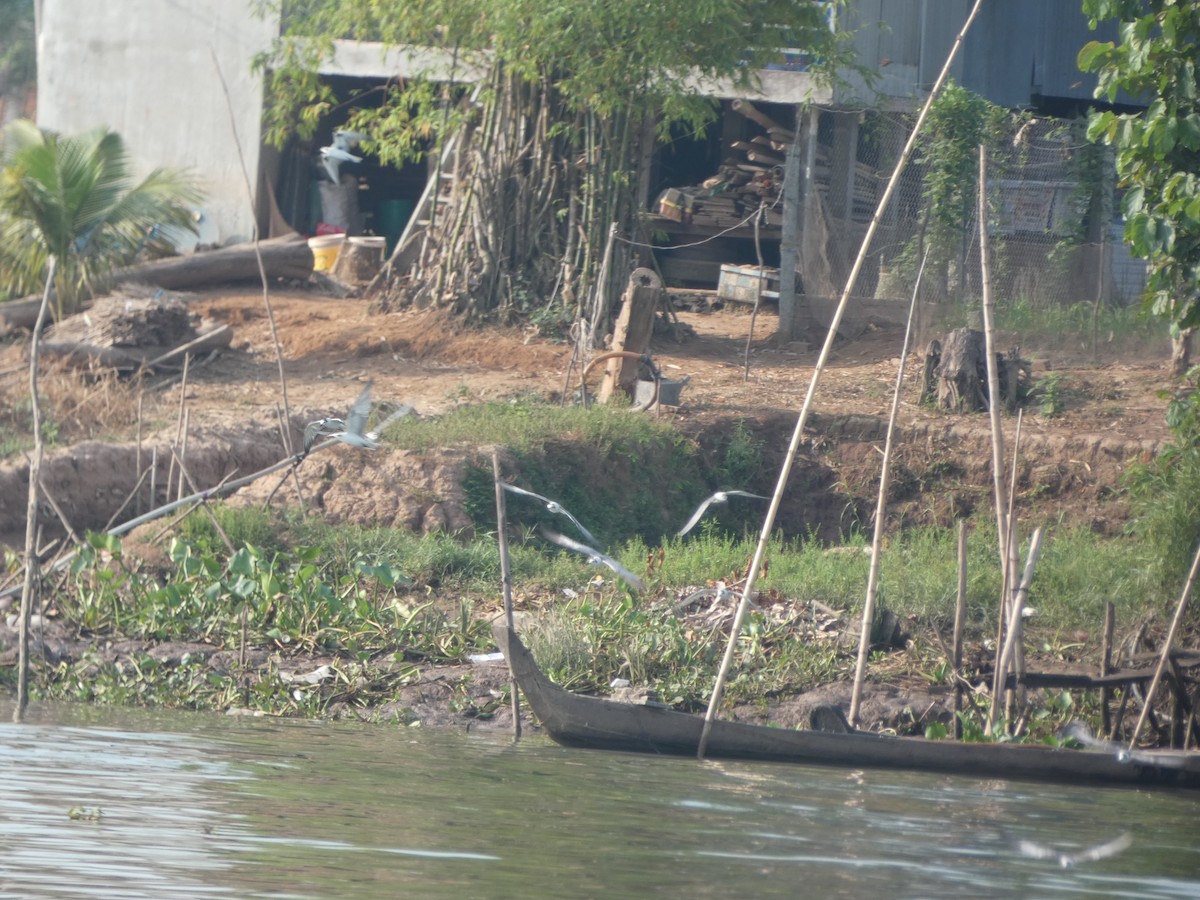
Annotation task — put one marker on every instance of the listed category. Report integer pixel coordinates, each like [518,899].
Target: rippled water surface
[116,803]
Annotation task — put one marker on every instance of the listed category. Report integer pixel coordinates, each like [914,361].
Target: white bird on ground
[595,557]
[718,497]
[554,507]
[333,157]
[1070,860]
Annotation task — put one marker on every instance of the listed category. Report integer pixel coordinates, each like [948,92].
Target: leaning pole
[798,433]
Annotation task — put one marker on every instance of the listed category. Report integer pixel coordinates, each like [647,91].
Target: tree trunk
[286,257]
[1181,352]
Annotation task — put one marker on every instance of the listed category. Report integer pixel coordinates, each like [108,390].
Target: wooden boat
[576,720]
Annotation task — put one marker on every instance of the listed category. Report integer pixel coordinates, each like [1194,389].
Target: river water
[98,802]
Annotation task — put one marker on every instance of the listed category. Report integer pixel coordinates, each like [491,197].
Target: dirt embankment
[1068,464]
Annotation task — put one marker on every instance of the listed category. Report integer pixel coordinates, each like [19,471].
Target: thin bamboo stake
[758,290]
[826,349]
[31,516]
[262,272]
[138,465]
[1110,617]
[998,463]
[960,612]
[186,475]
[992,373]
[178,422]
[868,613]
[58,511]
[136,492]
[153,476]
[1010,568]
[1166,650]
[181,455]
[506,581]
[1014,626]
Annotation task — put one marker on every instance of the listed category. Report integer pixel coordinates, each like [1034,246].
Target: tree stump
[956,375]
[360,259]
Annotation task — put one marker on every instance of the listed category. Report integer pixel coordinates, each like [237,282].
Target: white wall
[145,69]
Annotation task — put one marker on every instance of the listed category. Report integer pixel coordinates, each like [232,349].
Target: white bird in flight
[333,157]
[718,497]
[346,140]
[554,507]
[353,431]
[1070,860]
[595,557]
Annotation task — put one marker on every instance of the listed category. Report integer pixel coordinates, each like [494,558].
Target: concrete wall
[145,69]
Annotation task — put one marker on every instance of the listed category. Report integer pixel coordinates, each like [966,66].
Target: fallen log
[286,257]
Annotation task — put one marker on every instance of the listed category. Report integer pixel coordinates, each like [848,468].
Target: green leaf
[1133,202]
[1092,55]
[242,563]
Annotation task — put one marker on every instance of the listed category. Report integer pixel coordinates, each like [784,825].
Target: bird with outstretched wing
[554,507]
[718,497]
[595,557]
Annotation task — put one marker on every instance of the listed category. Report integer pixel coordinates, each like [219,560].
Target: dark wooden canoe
[576,720]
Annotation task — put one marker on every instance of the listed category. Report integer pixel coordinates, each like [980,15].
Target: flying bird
[347,140]
[1070,860]
[554,507]
[595,557]
[1162,759]
[348,431]
[718,497]
[333,157]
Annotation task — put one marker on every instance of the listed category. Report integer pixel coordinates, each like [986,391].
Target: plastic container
[375,244]
[325,250]
[391,217]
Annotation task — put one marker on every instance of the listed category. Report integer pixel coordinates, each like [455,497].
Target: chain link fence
[1057,248]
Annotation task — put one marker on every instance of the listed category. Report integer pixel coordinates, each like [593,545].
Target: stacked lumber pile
[752,176]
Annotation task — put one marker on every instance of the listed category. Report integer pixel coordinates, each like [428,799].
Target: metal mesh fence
[1055,243]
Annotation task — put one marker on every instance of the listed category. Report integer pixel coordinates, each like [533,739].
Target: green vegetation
[382,601]
[566,95]
[1158,150]
[74,199]
[1165,491]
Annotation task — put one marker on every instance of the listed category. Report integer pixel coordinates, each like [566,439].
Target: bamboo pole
[960,612]
[758,290]
[137,508]
[998,464]
[506,581]
[181,455]
[1110,616]
[1014,625]
[868,613]
[31,516]
[826,349]
[1166,650]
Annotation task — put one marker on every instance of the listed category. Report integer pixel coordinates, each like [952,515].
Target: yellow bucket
[325,251]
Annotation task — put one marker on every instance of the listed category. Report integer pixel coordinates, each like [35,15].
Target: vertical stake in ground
[506,582]
[31,516]
[798,432]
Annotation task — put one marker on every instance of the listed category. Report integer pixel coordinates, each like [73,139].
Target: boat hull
[591,722]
